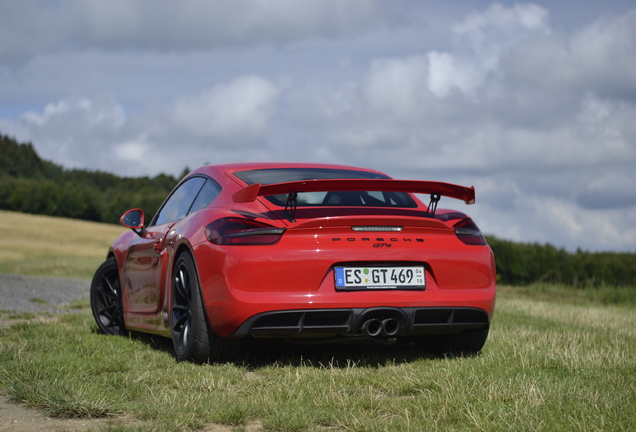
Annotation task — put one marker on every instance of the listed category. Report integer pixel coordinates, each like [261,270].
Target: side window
[209,191]
[180,201]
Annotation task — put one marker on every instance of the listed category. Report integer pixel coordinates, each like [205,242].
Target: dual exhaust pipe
[375,327]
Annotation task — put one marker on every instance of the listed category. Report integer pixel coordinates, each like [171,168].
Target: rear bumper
[374,322]
[287,289]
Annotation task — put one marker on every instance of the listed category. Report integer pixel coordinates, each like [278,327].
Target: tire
[192,337]
[106,300]
[456,344]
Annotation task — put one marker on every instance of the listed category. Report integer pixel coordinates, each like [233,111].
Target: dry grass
[44,245]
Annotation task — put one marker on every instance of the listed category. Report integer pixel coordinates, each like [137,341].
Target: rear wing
[436,189]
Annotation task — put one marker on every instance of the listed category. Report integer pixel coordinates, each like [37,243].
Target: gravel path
[40,294]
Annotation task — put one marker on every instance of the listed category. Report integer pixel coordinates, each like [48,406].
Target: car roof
[215,170]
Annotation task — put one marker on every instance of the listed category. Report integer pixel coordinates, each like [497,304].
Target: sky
[533,103]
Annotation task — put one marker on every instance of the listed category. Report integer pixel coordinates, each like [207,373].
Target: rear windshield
[327,199]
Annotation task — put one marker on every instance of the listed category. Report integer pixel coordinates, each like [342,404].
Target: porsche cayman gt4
[313,251]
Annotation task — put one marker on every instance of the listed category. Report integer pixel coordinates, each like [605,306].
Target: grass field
[555,360]
[547,366]
[50,246]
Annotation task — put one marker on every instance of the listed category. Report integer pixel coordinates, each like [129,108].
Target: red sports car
[282,250]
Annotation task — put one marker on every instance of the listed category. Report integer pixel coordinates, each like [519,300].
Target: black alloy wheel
[192,337]
[181,310]
[106,299]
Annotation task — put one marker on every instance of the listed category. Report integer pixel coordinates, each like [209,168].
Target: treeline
[523,264]
[30,184]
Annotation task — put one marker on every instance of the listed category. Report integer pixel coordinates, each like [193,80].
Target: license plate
[378,278]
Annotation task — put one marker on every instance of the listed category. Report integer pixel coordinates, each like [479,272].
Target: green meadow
[556,359]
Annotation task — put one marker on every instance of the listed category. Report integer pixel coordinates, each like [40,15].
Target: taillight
[239,231]
[468,232]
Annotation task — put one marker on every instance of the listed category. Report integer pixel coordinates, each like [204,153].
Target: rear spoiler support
[432,205]
[290,206]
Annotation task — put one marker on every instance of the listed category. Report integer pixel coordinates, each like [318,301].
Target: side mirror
[134,219]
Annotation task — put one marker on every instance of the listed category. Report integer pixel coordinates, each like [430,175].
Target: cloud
[239,110]
[396,86]
[92,114]
[479,41]
[163,25]
[609,190]
[559,222]
[75,131]
[98,134]
[485,129]
[597,58]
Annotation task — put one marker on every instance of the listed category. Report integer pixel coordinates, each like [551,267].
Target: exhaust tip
[372,327]
[390,326]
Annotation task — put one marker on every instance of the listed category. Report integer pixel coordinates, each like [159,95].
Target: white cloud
[599,58]
[164,25]
[602,55]
[396,86]
[560,222]
[479,41]
[132,151]
[240,110]
[97,133]
[90,113]
[75,131]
